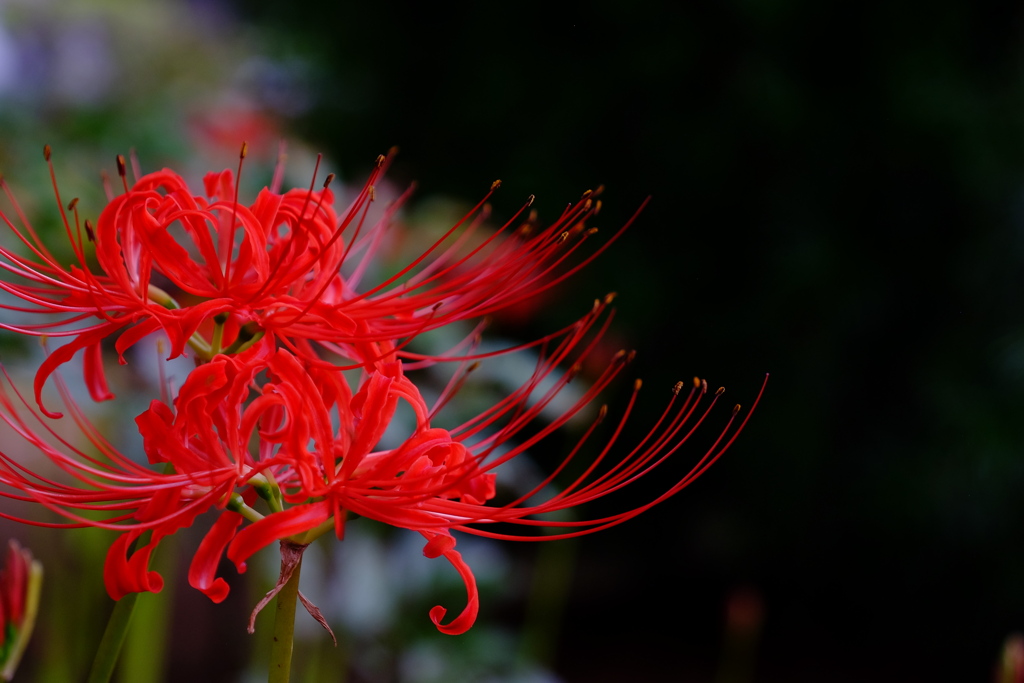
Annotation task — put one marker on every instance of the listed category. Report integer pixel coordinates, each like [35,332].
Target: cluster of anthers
[271,301]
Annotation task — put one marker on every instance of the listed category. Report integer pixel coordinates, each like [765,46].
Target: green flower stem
[315,533]
[284,629]
[237,504]
[200,346]
[266,487]
[242,347]
[113,638]
[218,333]
[162,298]
[247,336]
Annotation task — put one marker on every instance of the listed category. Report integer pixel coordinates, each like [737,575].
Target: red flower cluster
[269,429]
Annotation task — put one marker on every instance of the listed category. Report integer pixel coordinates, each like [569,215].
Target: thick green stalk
[113,639]
[284,628]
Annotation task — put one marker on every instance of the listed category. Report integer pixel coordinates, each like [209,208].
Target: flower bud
[21,581]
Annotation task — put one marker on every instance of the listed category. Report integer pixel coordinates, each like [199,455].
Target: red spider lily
[267,292]
[268,273]
[319,458]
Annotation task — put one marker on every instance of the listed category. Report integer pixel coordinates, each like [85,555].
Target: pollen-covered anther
[631,355]
[586,194]
[619,356]
[372,191]
[529,201]
[677,387]
[72,204]
[597,207]
[591,231]
[721,390]
[496,184]
[475,365]
[244,150]
[696,382]
[47,152]
[121,169]
[610,297]
[328,180]
[637,383]
[602,413]
[380,160]
[563,237]
[571,373]
[736,409]
[88,230]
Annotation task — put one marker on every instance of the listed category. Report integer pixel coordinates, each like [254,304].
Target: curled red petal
[436,546]
[62,355]
[274,527]
[95,377]
[133,335]
[123,575]
[202,573]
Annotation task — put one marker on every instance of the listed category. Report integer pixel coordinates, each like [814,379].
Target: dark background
[837,198]
[837,195]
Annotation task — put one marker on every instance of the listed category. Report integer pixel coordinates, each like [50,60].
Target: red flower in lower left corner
[21,582]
